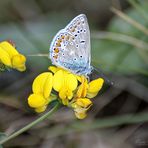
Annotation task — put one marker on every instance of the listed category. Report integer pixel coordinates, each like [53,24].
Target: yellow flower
[82,89]
[10,57]
[89,90]
[71,90]
[65,83]
[81,106]
[94,87]
[42,86]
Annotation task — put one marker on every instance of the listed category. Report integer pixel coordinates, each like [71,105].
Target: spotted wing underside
[70,47]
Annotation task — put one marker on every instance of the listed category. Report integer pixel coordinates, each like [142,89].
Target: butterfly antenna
[100,72]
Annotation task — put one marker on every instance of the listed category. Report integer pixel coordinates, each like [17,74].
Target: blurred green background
[117,47]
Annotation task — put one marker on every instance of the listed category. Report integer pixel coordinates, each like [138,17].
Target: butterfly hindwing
[70,47]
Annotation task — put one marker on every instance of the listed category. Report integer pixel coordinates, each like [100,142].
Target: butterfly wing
[70,47]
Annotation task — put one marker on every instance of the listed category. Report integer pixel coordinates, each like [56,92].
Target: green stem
[49,113]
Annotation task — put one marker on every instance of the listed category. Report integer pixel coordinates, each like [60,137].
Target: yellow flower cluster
[10,57]
[71,90]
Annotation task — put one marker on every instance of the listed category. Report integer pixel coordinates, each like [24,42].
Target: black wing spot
[82,41]
[81,56]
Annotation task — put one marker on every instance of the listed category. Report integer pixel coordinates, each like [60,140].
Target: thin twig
[116,4]
[38,55]
[121,38]
[139,9]
[130,20]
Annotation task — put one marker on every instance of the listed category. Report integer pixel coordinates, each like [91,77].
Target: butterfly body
[70,48]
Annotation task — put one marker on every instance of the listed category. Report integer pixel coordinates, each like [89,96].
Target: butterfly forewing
[70,47]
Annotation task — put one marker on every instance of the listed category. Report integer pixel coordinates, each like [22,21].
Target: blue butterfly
[70,48]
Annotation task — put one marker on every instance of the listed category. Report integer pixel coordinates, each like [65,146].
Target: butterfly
[70,48]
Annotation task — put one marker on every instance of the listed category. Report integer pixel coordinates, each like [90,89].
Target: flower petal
[81,115]
[54,69]
[11,57]
[81,106]
[36,101]
[82,90]
[48,85]
[95,85]
[4,57]
[65,96]
[58,80]
[71,81]
[91,95]
[83,103]
[39,84]
[9,48]
[18,62]
[40,109]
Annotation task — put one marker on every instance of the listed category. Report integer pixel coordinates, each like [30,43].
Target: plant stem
[140,45]
[15,134]
[130,21]
[120,38]
[139,8]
